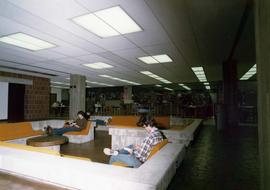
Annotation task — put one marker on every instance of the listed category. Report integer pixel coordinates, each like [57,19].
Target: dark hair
[81,113]
[149,121]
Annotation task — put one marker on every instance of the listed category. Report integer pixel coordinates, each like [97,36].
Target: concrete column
[127,94]
[262,24]
[230,93]
[77,95]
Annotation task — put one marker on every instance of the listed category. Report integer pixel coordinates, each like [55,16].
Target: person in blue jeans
[77,125]
[135,155]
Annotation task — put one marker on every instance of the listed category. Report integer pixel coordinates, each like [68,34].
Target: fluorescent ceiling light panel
[99,83]
[118,79]
[95,25]
[60,83]
[118,19]
[252,71]
[199,72]
[52,86]
[152,75]
[162,58]
[168,89]
[184,86]
[98,65]
[207,87]
[108,22]
[148,60]
[26,41]
[197,69]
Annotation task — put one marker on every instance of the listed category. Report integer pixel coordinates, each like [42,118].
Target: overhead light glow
[168,89]
[152,75]
[108,22]
[207,87]
[200,74]
[119,79]
[148,60]
[26,41]
[63,87]
[157,85]
[164,58]
[99,83]
[98,65]
[184,86]
[252,71]
[61,83]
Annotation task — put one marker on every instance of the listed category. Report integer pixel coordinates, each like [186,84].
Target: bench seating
[131,121]
[82,136]
[19,132]
[154,150]
[125,135]
[155,174]
[12,131]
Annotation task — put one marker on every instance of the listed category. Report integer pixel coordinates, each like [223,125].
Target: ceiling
[191,32]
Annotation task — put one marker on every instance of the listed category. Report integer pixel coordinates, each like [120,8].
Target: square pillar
[77,95]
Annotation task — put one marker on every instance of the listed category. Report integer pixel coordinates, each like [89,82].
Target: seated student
[77,125]
[135,155]
[98,121]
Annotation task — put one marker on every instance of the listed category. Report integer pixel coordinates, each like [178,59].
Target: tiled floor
[220,161]
[215,161]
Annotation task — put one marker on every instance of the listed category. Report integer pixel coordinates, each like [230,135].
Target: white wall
[3,100]
[58,92]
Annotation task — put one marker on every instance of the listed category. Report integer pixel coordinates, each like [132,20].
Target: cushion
[11,131]
[157,147]
[125,120]
[30,148]
[75,157]
[163,122]
[120,164]
[85,131]
[154,150]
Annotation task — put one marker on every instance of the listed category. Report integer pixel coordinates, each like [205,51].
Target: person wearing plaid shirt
[135,155]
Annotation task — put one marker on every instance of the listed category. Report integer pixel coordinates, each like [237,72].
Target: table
[51,142]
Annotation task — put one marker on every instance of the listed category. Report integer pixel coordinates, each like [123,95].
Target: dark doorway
[16,102]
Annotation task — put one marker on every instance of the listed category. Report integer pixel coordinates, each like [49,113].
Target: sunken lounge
[134,94]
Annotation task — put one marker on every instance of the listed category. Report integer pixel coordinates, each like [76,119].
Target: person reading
[135,155]
[77,125]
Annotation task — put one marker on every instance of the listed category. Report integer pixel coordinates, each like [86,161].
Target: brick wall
[36,98]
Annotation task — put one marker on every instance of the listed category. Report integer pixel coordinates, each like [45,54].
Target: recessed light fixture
[99,83]
[118,79]
[199,72]
[164,58]
[98,65]
[207,87]
[148,60]
[63,87]
[62,83]
[252,71]
[168,89]
[26,41]
[108,22]
[184,86]
[152,75]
